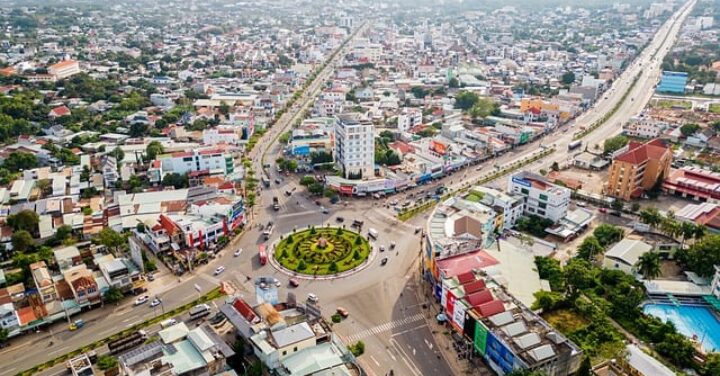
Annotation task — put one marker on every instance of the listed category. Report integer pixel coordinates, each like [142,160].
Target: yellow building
[638,169]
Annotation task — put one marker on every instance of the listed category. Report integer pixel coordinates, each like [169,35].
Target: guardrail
[406,214]
[211,295]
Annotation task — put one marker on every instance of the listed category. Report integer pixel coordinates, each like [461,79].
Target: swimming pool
[690,320]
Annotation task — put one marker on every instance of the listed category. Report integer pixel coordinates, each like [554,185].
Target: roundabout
[321,252]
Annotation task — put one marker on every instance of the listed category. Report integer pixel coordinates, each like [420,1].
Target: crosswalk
[384,328]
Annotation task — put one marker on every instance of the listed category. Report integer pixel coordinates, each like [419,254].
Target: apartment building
[541,197]
[220,135]
[644,127]
[511,206]
[637,168]
[192,161]
[408,118]
[64,69]
[354,146]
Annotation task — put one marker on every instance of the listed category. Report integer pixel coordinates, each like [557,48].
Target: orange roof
[638,153]
[9,71]
[26,315]
[63,64]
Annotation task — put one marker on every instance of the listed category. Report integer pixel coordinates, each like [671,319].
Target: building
[672,82]
[43,281]
[703,214]
[354,146]
[82,284]
[635,362]
[645,127]
[625,254]
[637,168]
[212,160]
[693,183]
[409,118]
[715,285]
[511,206]
[64,69]
[8,317]
[220,135]
[541,197]
[120,273]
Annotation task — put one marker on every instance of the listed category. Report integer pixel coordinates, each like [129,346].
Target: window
[524,191]
[543,197]
[542,205]
[295,349]
[284,353]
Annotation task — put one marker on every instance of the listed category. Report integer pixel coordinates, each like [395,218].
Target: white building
[511,207]
[161,100]
[211,160]
[64,69]
[354,145]
[8,317]
[409,118]
[625,255]
[644,127]
[214,136]
[542,198]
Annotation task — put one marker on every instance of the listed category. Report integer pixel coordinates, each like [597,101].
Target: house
[120,273]
[67,257]
[64,69]
[43,281]
[625,254]
[542,198]
[82,284]
[59,112]
[9,319]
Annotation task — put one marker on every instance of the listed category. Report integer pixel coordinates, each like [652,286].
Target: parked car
[217,319]
[340,219]
[324,210]
[219,270]
[150,277]
[392,245]
[382,248]
[313,298]
[357,223]
[238,252]
[294,282]
[168,323]
[142,300]
[384,261]
[343,312]
[602,210]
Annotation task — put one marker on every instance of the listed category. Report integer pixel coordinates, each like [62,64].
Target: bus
[574,145]
[262,255]
[199,311]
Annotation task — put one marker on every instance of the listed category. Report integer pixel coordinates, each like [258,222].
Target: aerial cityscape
[360,187]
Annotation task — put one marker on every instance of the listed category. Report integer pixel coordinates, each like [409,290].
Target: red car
[602,210]
[294,282]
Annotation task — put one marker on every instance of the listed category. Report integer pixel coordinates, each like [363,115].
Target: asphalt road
[384,320]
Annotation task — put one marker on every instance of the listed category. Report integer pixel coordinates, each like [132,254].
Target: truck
[262,255]
[276,203]
[268,230]
[574,145]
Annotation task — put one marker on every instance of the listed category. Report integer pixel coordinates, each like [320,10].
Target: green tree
[419,92]
[689,129]
[153,149]
[617,205]
[465,100]
[21,241]
[119,154]
[107,362]
[19,160]
[113,295]
[649,265]
[482,108]
[607,234]
[454,83]
[703,254]
[175,180]
[590,248]
[579,275]
[614,144]
[24,220]
[568,78]
[549,269]
[333,268]
[62,233]
[307,180]
[651,216]
[111,239]
[548,300]
[316,188]
[138,129]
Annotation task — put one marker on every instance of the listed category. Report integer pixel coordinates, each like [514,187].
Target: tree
[649,265]
[614,144]
[19,160]
[333,268]
[548,300]
[650,216]
[585,367]
[617,205]
[307,180]
[578,276]
[316,188]
[703,254]
[483,107]
[21,241]
[111,239]
[106,362]
[119,154]
[138,129]
[153,149]
[113,295]
[689,129]
[607,234]
[419,92]
[590,248]
[568,78]
[555,166]
[454,83]
[635,207]
[175,180]
[465,100]
[24,220]
[62,233]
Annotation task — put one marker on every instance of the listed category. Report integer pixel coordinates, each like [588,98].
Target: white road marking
[375,360]
[410,364]
[135,323]
[384,327]
[429,345]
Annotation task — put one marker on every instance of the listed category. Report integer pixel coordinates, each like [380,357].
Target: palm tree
[700,231]
[687,231]
[651,217]
[649,265]
[670,228]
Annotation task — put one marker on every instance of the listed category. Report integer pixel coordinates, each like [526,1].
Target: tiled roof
[638,153]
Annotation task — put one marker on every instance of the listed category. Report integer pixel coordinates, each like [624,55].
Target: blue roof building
[672,82]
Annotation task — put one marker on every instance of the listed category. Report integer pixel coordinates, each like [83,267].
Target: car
[217,319]
[602,210]
[343,312]
[77,324]
[357,223]
[392,245]
[384,261]
[142,300]
[168,323]
[294,282]
[417,229]
[313,298]
[277,181]
[324,210]
[219,270]
[277,283]
[382,248]
[155,302]
[317,202]
[340,219]
[288,193]
[238,252]
[393,202]
[150,277]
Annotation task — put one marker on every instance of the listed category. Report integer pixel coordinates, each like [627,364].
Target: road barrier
[406,214]
[211,295]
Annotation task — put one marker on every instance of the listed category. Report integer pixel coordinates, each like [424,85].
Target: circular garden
[322,251]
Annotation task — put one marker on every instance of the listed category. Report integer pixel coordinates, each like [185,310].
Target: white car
[238,252]
[313,298]
[142,300]
[155,302]
[219,270]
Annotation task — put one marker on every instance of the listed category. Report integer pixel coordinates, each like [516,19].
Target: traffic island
[321,253]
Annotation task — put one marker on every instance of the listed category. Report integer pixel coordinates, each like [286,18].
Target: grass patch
[714,108]
[599,341]
[322,251]
[670,103]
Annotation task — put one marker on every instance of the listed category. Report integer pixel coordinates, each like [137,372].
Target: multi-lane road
[385,312]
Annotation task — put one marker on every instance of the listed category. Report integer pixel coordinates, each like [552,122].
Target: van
[168,323]
[373,233]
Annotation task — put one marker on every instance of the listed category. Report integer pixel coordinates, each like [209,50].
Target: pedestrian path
[384,328]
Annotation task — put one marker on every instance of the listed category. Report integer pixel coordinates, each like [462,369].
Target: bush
[358,348]
[106,362]
[336,318]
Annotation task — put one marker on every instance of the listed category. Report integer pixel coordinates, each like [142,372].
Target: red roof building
[637,169]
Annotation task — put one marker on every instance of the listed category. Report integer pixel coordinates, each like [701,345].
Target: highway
[385,312]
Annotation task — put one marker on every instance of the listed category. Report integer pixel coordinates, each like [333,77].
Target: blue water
[690,320]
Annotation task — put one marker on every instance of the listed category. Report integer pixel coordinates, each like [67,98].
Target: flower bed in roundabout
[322,251]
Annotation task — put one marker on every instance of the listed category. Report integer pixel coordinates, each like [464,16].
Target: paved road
[385,321]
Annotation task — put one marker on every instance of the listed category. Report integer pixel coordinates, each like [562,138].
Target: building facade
[637,169]
[354,146]
[672,82]
[542,198]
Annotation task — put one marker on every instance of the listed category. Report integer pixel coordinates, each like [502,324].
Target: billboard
[521,181]
[480,338]
[458,317]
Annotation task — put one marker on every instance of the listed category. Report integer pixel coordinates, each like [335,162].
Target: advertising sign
[480,338]
[522,182]
[458,317]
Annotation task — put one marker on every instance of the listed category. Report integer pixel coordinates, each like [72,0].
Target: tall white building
[542,198]
[212,160]
[409,118]
[354,145]
[511,206]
